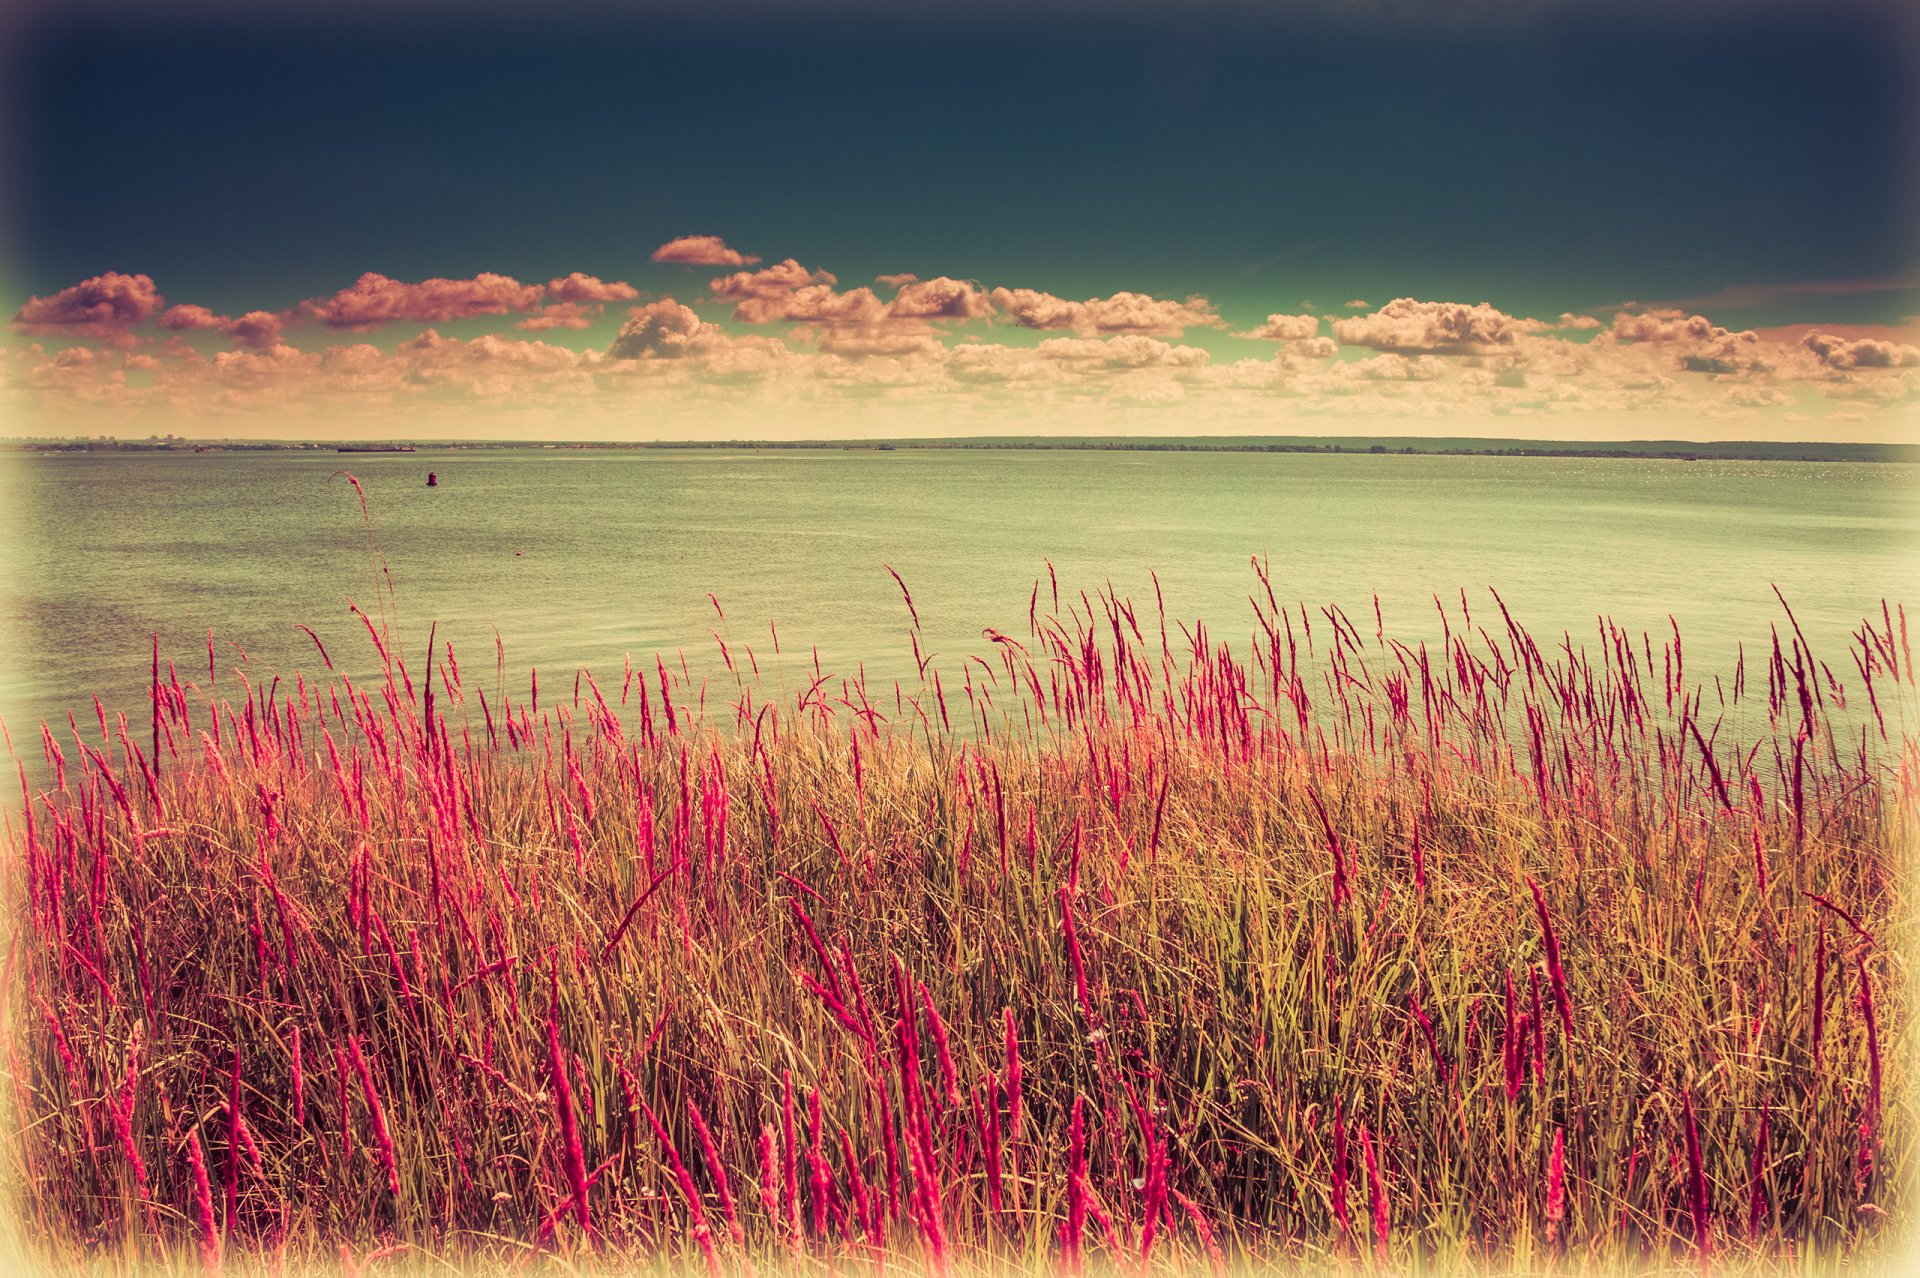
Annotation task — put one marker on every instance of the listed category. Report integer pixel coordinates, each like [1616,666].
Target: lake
[582,558]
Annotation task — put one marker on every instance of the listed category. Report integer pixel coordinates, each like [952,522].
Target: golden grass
[1213,907]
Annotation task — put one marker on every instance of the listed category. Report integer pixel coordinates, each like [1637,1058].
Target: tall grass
[1121,949]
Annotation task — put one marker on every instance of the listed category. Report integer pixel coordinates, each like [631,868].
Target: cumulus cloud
[1428,359]
[989,363]
[770,282]
[561,315]
[1298,336]
[940,298]
[1129,351]
[893,339]
[1761,397]
[491,347]
[189,317]
[491,368]
[375,299]
[1263,375]
[1729,355]
[702,250]
[1395,368]
[1406,324]
[577,287]
[1284,328]
[1121,313]
[1866,352]
[818,304]
[1663,325]
[1698,344]
[356,367]
[659,330]
[257,330]
[101,306]
[258,371]
[1886,390]
[789,291]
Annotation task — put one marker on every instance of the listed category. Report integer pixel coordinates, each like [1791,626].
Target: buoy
[433,480]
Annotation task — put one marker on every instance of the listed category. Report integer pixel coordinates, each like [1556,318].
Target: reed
[1101,952]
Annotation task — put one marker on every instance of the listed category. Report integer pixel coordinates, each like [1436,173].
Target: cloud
[1906,334]
[101,306]
[1886,390]
[493,370]
[1117,358]
[189,317]
[789,291]
[357,366]
[1121,313]
[770,282]
[1866,352]
[701,250]
[1736,353]
[989,363]
[741,363]
[659,330]
[1761,397]
[490,347]
[1700,345]
[1262,375]
[1130,351]
[375,300]
[816,304]
[1665,325]
[1394,368]
[255,329]
[577,287]
[1405,324]
[940,298]
[1359,304]
[561,315]
[258,330]
[1284,328]
[253,373]
[891,339]
[871,374]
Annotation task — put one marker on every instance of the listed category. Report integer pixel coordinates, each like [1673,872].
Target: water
[584,558]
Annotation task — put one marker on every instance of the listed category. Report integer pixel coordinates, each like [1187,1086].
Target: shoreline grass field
[1119,950]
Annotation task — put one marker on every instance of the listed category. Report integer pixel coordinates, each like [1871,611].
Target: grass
[1114,951]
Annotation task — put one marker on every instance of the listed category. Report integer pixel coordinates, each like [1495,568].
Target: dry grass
[406,966]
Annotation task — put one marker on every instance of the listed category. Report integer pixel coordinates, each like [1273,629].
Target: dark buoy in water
[433,480]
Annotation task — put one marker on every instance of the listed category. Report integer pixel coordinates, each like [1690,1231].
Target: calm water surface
[581,559]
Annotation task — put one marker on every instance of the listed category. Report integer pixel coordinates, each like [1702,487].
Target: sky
[1695,219]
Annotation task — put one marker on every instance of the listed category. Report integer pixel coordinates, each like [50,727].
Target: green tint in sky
[1752,163]
[1567,157]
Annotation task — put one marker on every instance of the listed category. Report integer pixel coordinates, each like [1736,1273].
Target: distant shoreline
[1350,445]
